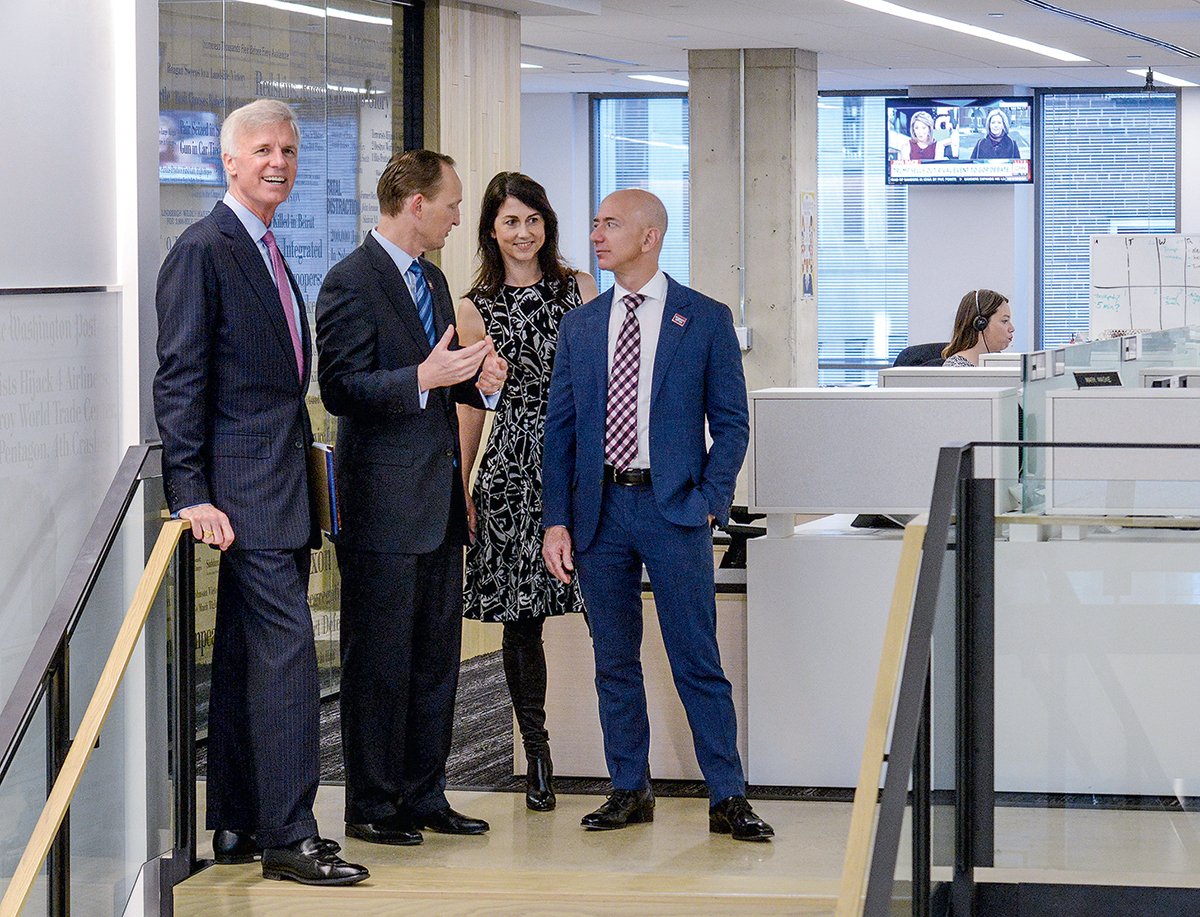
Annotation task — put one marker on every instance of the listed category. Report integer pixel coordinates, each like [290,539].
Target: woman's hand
[472,517]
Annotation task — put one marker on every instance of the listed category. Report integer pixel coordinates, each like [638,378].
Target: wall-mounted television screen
[959,141]
[189,148]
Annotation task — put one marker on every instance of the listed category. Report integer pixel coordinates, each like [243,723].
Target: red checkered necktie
[620,431]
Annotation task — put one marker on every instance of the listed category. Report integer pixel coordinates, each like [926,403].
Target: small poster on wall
[808,242]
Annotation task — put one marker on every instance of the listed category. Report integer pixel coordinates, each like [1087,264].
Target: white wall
[80,112]
[69,359]
[962,238]
[555,151]
[56,66]
[1189,149]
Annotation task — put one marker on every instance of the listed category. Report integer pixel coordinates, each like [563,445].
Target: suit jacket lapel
[396,288]
[670,333]
[305,332]
[601,309]
[250,261]
[443,306]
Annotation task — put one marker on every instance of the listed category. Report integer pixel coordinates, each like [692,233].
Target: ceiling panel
[859,48]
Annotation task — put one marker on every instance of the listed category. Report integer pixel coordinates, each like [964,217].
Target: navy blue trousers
[633,532]
[264,710]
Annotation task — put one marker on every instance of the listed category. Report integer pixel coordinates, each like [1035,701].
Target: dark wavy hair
[490,277]
[965,335]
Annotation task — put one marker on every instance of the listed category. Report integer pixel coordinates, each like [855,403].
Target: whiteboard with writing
[1144,282]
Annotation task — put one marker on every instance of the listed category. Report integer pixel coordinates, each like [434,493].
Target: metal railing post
[912,687]
[975,688]
[922,808]
[58,741]
[183,703]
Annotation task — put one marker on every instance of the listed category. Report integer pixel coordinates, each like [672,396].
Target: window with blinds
[642,142]
[1108,165]
[862,244]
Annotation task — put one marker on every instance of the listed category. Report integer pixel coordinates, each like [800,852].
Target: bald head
[628,235]
[641,206]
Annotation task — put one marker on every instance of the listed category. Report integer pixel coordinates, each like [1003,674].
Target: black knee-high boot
[525,672]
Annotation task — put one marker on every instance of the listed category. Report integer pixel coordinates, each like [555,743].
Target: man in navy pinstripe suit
[233,348]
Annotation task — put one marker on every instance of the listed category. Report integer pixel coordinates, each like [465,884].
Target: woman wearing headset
[983,325]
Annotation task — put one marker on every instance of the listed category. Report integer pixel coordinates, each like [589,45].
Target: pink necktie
[620,430]
[285,297]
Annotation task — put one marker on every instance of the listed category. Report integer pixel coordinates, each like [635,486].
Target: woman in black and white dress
[521,292]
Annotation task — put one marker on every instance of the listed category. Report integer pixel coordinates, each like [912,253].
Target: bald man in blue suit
[621,492]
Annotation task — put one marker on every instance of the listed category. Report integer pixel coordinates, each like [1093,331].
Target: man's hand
[494,372]
[556,552]
[209,525]
[445,367]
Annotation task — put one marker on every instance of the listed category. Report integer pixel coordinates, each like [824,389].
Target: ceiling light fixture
[892,9]
[652,78]
[525,66]
[1154,76]
[1108,26]
[319,12]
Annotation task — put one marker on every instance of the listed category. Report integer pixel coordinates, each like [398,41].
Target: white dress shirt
[649,316]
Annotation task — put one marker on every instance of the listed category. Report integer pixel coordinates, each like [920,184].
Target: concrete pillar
[780,169]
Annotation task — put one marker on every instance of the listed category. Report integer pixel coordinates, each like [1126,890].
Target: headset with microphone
[980,321]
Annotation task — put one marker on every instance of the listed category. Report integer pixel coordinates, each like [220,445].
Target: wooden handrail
[866,794]
[98,707]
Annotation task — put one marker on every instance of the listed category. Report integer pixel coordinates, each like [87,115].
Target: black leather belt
[630,477]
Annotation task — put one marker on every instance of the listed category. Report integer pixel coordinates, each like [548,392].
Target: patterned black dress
[506,579]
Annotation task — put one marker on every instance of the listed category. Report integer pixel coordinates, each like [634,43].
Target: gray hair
[260,113]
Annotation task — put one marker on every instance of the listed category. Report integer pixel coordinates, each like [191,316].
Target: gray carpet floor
[481,756]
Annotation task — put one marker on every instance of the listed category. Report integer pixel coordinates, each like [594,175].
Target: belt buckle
[629,477]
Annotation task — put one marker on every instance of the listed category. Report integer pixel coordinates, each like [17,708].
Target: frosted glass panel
[58,449]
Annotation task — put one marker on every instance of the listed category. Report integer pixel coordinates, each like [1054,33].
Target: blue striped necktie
[424,299]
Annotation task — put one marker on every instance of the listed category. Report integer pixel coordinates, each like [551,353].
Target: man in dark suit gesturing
[233,349]
[628,480]
[391,369]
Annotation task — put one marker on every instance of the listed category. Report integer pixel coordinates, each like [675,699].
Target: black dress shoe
[233,847]
[733,815]
[395,829]
[447,821]
[539,785]
[309,863]
[623,807]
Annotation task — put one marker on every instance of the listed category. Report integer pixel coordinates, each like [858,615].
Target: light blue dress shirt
[403,261]
[257,229]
